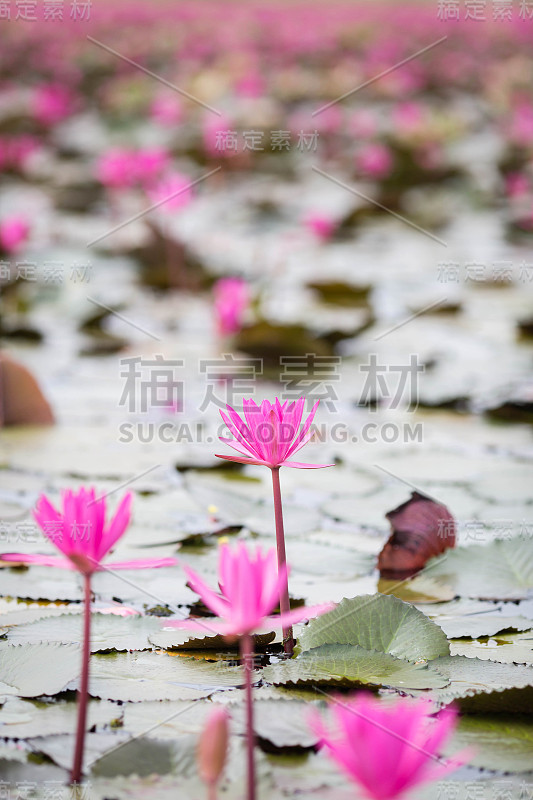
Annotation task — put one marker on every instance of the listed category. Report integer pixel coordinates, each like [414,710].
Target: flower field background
[202,202]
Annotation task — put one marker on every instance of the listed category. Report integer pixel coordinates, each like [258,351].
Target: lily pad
[108,631]
[347,665]
[498,742]
[32,670]
[508,648]
[501,570]
[378,622]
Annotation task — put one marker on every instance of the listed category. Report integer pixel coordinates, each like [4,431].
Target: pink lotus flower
[212,748]
[81,533]
[150,163]
[250,587]
[375,160]
[362,123]
[517,184]
[388,748]
[166,109]
[51,103]
[321,225]
[231,300]
[116,169]
[172,192]
[270,434]
[14,233]
[407,117]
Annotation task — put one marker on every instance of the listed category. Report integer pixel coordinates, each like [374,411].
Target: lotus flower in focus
[388,748]
[80,531]
[250,585]
[270,435]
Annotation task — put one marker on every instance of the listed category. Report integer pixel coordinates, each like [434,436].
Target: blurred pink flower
[150,163]
[20,148]
[213,130]
[173,191]
[251,85]
[81,533]
[116,169]
[271,435]
[520,129]
[213,746]
[51,103]
[250,586]
[362,123]
[375,160]
[14,232]
[517,184]
[166,109]
[231,300]
[321,225]
[388,748]
[407,117]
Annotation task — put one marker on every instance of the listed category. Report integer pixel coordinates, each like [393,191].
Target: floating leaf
[38,669]
[345,665]
[475,626]
[501,570]
[378,622]
[108,631]
[22,719]
[508,648]
[484,686]
[498,742]
[158,676]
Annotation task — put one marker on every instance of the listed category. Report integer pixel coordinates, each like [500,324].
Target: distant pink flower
[270,434]
[521,125]
[251,85]
[231,300]
[14,233]
[322,225]
[166,109]
[362,123]
[172,192]
[51,103]
[407,117]
[214,129]
[116,168]
[212,747]
[20,148]
[375,160]
[517,184]
[150,163]
[81,533]
[250,585]
[388,748]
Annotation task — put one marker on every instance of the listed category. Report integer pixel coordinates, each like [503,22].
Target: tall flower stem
[75,776]
[247,654]
[284,604]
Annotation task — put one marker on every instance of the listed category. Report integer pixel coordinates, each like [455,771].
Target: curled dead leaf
[421,529]
[21,400]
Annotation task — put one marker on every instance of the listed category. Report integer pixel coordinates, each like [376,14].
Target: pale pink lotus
[321,225]
[80,531]
[166,109]
[51,103]
[388,748]
[214,128]
[150,163]
[172,192]
[250,585]
[270,435]
[14,232]
[116,169]
[230,303]
[375,160]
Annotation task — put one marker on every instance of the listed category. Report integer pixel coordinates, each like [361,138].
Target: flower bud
[213,746]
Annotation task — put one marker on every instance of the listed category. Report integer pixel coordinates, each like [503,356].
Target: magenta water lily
[84,536]
[388,747]
[269,435]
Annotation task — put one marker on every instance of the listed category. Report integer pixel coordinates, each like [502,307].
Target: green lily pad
[30,670]
[508,648]
[158,676]
[500,570]
[348,665]
[498,742]
[378,622]
[108,631]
